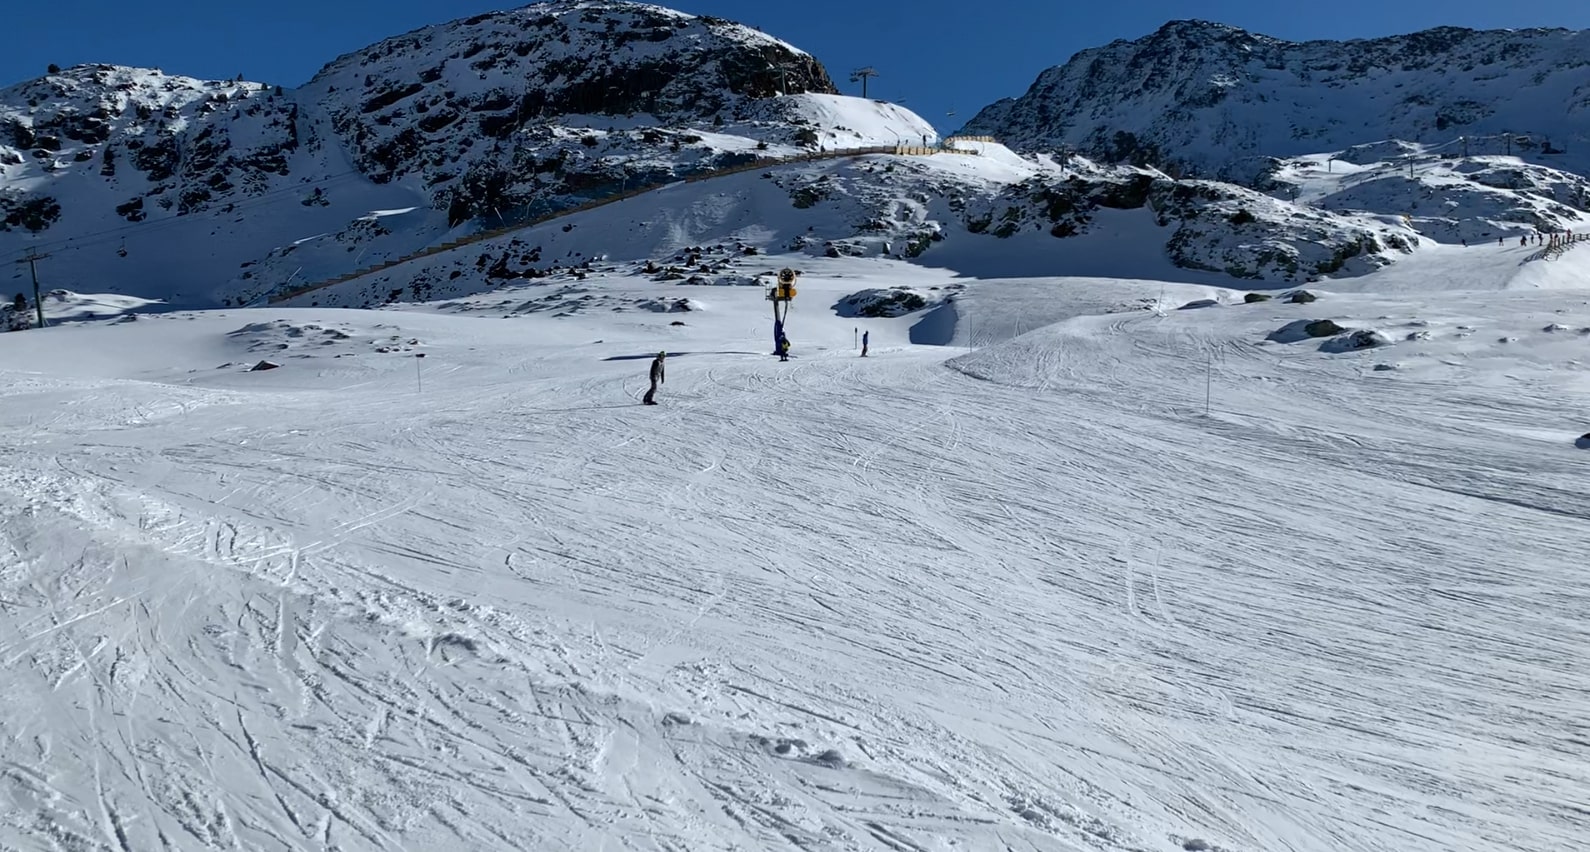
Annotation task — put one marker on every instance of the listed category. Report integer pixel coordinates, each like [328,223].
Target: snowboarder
[657,378]
[864,336]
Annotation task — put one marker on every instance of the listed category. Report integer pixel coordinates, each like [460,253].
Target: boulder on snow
[1584,441]
[1301,297]
[892,302]
[263,365]
[15,320]
[669,306]
[1254,298]
[1200,303]
[1298,330]
[1364,338]
[830,758]
[736,280]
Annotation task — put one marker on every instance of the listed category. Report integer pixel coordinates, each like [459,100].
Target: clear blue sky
[936,56]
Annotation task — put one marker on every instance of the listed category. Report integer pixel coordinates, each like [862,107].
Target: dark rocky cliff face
[431,100]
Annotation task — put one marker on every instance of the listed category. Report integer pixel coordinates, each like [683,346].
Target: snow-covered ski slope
[1019,590]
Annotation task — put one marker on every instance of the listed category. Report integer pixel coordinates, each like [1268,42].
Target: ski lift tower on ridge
[781,294]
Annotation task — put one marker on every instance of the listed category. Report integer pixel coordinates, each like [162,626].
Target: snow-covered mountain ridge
[496,109]
[1205,97]
[219,192]
[472,123]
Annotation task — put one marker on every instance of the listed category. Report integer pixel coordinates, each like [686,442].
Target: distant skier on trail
[864,336]
[657,377]
[783,348]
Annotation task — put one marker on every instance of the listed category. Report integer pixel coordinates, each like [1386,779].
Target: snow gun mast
[784,289]
[781,294]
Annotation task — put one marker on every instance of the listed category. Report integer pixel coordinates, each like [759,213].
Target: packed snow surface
[1077,569]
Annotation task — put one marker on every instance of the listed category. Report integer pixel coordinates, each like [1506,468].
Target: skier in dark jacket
[657,378]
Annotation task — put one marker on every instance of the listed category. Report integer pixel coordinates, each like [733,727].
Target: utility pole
[32,261]
[861,75]
[783,77]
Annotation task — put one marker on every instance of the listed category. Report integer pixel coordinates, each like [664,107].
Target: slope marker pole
[1209,379]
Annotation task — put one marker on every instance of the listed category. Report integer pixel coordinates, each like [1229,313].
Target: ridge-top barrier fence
[1558,246]
[752,165]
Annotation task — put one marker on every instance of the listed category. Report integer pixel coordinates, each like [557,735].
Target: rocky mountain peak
[576,57]
[1202,97]
[414,101]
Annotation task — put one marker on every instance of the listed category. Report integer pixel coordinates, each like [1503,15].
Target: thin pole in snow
[418,385]
[856,335]
[292,276]
[1209,379]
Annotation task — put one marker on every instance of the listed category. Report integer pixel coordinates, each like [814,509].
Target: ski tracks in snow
[1034,601]
[310,658]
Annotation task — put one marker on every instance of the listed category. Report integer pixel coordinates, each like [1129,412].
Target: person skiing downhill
[864,336]
[657,377]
